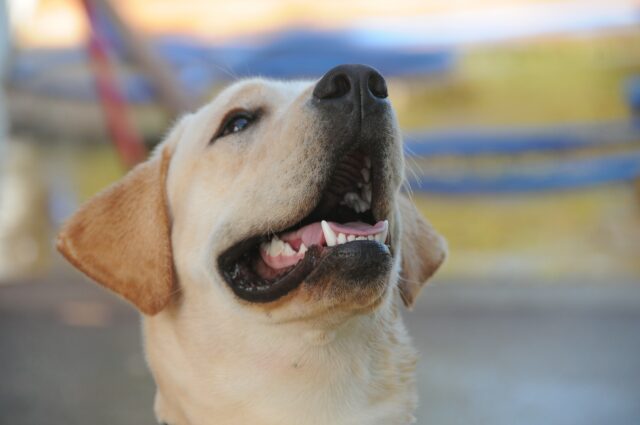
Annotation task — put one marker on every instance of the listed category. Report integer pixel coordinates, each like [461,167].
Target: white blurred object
[24,226]
[20,11]
[24,223]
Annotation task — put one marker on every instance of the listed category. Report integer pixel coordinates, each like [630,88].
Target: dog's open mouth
[265,267]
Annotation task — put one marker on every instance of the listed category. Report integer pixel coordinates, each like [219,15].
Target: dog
[267,244]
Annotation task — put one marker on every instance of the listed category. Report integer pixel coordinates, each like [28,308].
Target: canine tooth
[329,236]
[351,238]
[370,237]
[365,174]
[364,205]
[302,249]
[341,238]
[288,250]
[385,231]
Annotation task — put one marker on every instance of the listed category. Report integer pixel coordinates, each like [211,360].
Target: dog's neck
[287,374]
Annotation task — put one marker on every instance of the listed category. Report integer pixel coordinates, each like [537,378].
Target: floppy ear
[423,250]
[121,237]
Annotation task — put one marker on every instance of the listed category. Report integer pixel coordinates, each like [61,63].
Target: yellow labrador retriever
[266,242]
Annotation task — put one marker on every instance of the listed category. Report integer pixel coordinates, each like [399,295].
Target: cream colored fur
[309,358]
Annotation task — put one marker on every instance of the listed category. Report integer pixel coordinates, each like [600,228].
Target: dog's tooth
[288,250]
[351,199]
[268,247]
[366,193]
[370,237]
[277,247]
[303,249]
[351,238]
[329,236]
[364,205]
[361,238]
[366,175]
[385,232]
[341,238]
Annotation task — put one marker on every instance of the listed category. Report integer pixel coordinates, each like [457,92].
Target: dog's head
[277,196]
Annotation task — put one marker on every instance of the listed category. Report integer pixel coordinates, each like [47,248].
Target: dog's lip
[310,267]
[281,286]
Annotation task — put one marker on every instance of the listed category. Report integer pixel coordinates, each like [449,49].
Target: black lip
[243,282]
[357,261]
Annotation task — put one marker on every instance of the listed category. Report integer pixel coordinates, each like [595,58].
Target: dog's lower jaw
[363,373]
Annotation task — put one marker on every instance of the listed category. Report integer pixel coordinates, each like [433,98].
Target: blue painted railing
[550,176]
[556,171]
[505,141]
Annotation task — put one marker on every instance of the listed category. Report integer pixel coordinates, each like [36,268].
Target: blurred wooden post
[128,143]
[173,98]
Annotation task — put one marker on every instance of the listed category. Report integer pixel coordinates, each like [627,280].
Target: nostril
[342,85]
[333,87]
[377,85]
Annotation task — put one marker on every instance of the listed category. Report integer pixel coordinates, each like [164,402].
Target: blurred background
[522,130]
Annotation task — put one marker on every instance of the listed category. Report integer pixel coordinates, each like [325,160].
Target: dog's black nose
[352,83]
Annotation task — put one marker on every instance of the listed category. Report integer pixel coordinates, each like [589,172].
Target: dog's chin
[359,262]
[354,275]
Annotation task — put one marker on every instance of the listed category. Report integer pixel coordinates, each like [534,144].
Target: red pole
[127,142]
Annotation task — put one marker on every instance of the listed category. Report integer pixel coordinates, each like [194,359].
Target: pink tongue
[357,228]
[312,234]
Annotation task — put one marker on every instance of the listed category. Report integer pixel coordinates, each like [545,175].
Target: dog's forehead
[248,92]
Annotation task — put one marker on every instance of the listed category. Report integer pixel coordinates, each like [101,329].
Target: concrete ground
[500,353]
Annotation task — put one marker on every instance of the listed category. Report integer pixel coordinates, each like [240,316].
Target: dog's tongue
[311,234]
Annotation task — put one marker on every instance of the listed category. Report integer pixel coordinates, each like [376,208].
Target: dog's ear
[423,250]
[121,237]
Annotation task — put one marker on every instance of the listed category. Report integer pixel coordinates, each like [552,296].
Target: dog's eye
[236,123]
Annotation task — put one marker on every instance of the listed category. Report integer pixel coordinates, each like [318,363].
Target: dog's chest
[317,380]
